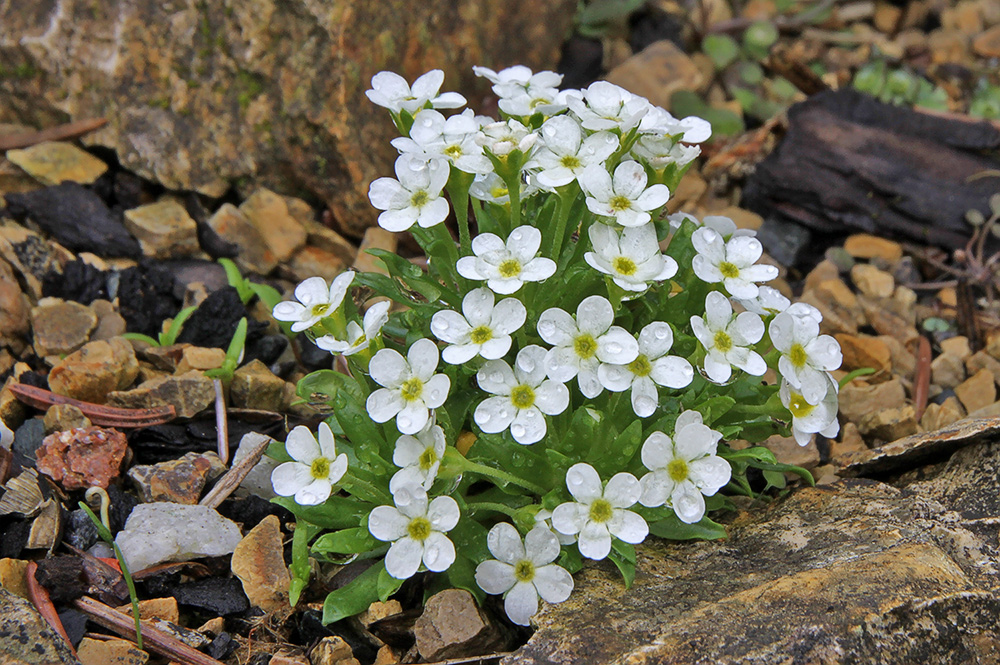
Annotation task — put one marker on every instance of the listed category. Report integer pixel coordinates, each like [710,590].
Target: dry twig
[71,130]
[235,475]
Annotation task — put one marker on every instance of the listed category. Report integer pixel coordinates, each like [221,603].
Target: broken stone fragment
[657,72]
[180,480]
[158,532]
[27,637]
[189,394]
[268,213]
[889,424]
[375,238]
[452,626]
[199,358]
[164,229]
[315,262]
[108,652]
[95,370]
[53,162]
[947,370]
[258,561]
[233,226]
[332,650]
[867,246]
[254,386]
[61,417]
[82,458]
[978,391]
[862,351]
[857,399]
[61,326]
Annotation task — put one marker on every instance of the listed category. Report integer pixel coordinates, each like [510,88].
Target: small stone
[281,658]
[254,386]
[840,258]
[155,608]
[938,416]
[180,480]
[982,360]
[374,238]
[839,306]
[219,595]
[850,442]
[947,370]
[857,400]
[110,323]
[904,363]
[865,246]
[987,44]
[26,638]
[957,345]
[657,72]
[61,326]
[258,481]
[95,370]
[192,638]
[787,451]
[993,345]
[164,358]
[824,270]
[62,417]
[158,532]
[864,351]
[189,393]
[269,214]
[386,656]
[378,611]
[315,262]
[13,576]
[53,162]
[871,281]
[82,458]
[213,627]
[978,391]
[164,229]
[453,626]
[332,650]
[890,318]
[325,238]
[890,424]
[199,358]
[233,227]
[28,437]
[887,16]
[258,561]
[110,652]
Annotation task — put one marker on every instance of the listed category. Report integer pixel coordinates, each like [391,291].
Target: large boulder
[207,95]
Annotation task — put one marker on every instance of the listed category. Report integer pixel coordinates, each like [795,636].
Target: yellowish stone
[53,162]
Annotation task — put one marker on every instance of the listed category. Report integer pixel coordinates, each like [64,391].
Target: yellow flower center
[600,511]
[481,335]
[677,470]
[522,397]
[510,268]
[585,346]
[524,571]
[320,468]
[728,269]
[453,151]
[797,354]
[419,528]
[570,162]
[499,192]
[321,309]
[624,266]
[411,389]
[641,366]
[419,199]
[723,342]
[620,203]
[428,459]
[799,407]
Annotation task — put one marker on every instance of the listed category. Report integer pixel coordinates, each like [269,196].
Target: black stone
[580,62]
[63,577]
[80,531]
[222,646]
[311,356]
[146,297]
[251,510]
[78,281]
[122,503]
[75,624]
[267,348]
[652,24]
[221,595]
[13,536]
[786,242]
[28,437]
[214,322]
[77,218]
[186,271]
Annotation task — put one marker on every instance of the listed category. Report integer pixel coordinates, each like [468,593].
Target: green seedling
[234,354]
[172,333]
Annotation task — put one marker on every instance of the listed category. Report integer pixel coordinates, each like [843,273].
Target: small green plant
[985,102]
[234,354]
[597,18]
[172,333]
[899,86]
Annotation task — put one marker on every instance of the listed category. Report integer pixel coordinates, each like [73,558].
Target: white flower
[678,218]
[316,301]
[600,512]
[502,138]
[609,107]
[806,356]
[506,266]
[684,468]
[415,198]
[543,520]
[518,80]
[582,343]
[726,227]
[633,258]
[808,418]
[484,330]
[411,387]
[658,122]
[435,137]
[416,531]
[652,366]
[660,152]
[523,571]
[393,92]
[491,188]
[358,338]
[624,197]
[419,456]
[730,262]
[523,395]
[727,338]
[564,153]
[316,469]
[768,302]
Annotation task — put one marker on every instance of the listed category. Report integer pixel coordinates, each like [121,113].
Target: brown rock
[890,424]
[82,458]
[259,563]
[947,370]
[864,351]
[109,322]
[322,237]
[189,394]
[254,386]
[982,360]
[657,72]
[110,652]
[14,307]
[788,451]
[386,656]
[904,363]
[53,162]
[375,238]
[452,626]
[988,43]
[978,391]
[937,416]
[155,608]
[865,246]
[850,442]
[95,370]
[839,306]
[233,227]
[315,262]
[282,658]
[213,627]
[178,481]
[948,45]
[27,637]
[62,417]
[61,326]
[30,255]
[824,270]
[164,229]
[164,358]
[858,399]
[332,651]
[957,345]
[199,358]
[377,611]
[890,318]
[886,16]
[13,576]
[871,281]
[269,214]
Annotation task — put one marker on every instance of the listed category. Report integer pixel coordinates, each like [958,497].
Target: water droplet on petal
[517,431]
[496,377]
[527,364]
[614,347]
[442,325]
[482,418]
[431,555]
[661,333]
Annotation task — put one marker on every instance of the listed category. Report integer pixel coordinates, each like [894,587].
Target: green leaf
[623,556]
[598,12]
[721,49]
[386,585]
[139,337]
[751,73]
[724,122]
[608,459]
[355,596]
[170,337]
[758,39]
[330,383]
[345,541]
[236,280]
[337,512]
[299,568]
[671,528]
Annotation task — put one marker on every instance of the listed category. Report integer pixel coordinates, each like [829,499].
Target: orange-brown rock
[95,370]
[259,563]
[82,458]
[865,351]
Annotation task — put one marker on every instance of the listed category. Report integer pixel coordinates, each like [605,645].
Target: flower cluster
[568,286]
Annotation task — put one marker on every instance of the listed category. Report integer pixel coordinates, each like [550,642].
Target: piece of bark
[850,163]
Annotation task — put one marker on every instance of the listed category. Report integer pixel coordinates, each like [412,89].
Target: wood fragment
[71,130]
[922,378]
[6,462]
[39,597]
[191,568]
[99,414]
[154,639]
[229,482]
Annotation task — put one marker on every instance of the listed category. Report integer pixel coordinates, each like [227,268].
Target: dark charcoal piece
[63,577]
[78,281]
[80,530]
[652,24]
[251,510]
[214,322]
[13,536]
[222,646]
[267,348]
[75,624]
[28,437]
[33,378]
[221,595]
[786,242]
[131,191]
[122,503]
[311,356]
[580,62]
[310,629]
[77,218]
[146,298]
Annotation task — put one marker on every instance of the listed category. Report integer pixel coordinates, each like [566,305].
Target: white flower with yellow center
[600,513]
[502,138]
[564,152]
[651,367]
[607,106]
[435,137]
[732,262]
[316,301]
[484,330]
[358,338]
[524,396]
[806,356]
[632,258]
[316,469]
[768,302]
[391,91]
[624,197]
[411,386]
[415,198]
[419,457]
[491,188]
[683,470]
[416,530]
[581,344]
[809,418]
[524,93]
[507,265]
[727,339]
[523,571]
[659,123]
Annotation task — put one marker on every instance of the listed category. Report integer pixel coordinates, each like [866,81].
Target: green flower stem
[567,196]
[489,505]
[513,182]
[458,192]
[468,465]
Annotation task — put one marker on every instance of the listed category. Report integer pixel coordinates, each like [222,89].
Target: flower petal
[312,291]
[570,517]
[688,503]
[289,477]
[554,584]
[672,372]
[495,414]
[557,327]
[478,306]
[314,493]
[541,546]
[521,603]
[617,346]
[622,491]
[301,445]
[383,404]
[412,417]
[628,527]
[710,474]
[551,397]
[436,390]
[528,426]
[495,577]
[594,315]
[584,483]
[595,541]
[403,558]
[496,377]
[439,552]
[423,358]
[388,368]
[450,326]
[387,523]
